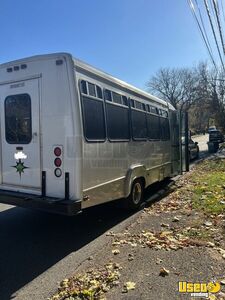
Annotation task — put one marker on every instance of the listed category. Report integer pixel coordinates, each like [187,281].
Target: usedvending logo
[197,289]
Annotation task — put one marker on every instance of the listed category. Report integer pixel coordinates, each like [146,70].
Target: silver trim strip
[101,184]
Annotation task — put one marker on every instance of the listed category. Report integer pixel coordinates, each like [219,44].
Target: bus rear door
[20,134]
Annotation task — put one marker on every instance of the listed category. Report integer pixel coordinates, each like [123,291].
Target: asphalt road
[38,249]
[202,143]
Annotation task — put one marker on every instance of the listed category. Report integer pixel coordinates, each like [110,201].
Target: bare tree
[217,96]
[178,86]
[199,90]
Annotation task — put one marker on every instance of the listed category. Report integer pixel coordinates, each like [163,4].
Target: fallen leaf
[163,272]
[176,219]
[130,285]
[164,225]
[115,251]
[208,223]
[115,243]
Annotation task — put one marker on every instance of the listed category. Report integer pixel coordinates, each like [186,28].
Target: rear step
[49,204]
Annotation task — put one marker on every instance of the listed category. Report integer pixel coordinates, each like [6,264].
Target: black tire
[134,200]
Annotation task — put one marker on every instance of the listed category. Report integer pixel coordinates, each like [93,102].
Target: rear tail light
[58,162]
[57,151]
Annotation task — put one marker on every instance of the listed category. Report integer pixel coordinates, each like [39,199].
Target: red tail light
[57,162]
[57,151]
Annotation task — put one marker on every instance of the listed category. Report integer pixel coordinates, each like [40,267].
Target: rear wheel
[134,200]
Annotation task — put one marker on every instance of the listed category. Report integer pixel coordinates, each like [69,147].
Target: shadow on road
[32,241]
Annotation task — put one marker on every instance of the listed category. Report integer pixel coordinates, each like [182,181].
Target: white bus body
[72,136]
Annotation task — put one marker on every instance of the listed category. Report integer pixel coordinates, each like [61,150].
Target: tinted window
[124,100]
[138,105]
[164,113]
[83,86]
[18,119]
[91,89]
[116,98]
[165,130]
[153,127]
[108,95]
[132,103]
[139,128]
[154,110]
[93,119]
[117,122]
[99,92]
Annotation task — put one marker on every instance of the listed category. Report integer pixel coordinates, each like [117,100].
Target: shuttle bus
[72,136]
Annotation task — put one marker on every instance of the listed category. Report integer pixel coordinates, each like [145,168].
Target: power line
[213,13]
[218,22]
[213,30]
[222,10]
[205,38]
[203,26]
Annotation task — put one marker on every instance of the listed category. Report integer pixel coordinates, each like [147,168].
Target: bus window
[83,85]
[139,128]
[153,127]
[154,110]
[124,100]
[18,119]
[116,98]
[93,119]
[165,130]
[99,92]
[108,95]
[117,122]
[91,89]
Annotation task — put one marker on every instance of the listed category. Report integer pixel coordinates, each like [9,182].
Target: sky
[129,39]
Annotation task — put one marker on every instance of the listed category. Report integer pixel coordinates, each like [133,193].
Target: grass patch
[209,193]
[207,186]
[197,233]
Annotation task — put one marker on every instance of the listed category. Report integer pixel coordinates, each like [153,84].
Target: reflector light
[58,172]
[57,151]
[57,162]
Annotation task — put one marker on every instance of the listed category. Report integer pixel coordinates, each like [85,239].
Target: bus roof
[97,72]
[82,65]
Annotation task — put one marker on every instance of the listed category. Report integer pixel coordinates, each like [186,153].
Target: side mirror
[196,143]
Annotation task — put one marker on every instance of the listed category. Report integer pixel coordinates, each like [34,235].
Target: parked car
[216,136]
[193,149]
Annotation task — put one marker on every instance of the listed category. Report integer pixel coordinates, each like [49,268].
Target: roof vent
[59,62]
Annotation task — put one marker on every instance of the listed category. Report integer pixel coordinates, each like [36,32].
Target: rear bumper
[49,204]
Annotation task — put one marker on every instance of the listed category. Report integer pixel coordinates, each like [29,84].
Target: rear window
[18,119]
